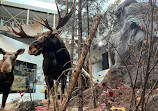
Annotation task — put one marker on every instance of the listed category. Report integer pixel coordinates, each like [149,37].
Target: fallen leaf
[138,99]
[111,94]
[121,84]
[22,94]
[143,63]
[44,108]
[104,84]
[140,108]
[112,108]
[38,108]
[147,41]
[119,104]
[123,109]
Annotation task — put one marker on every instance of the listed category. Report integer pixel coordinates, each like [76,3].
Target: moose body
[6,80]
[6,72]
[56,57]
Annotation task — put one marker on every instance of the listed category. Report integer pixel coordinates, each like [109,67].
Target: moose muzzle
[6,67]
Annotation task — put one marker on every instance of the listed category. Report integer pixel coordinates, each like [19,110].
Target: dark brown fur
[6,72]
[56,57]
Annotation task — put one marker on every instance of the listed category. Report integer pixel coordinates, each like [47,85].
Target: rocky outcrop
[128,38]
[129,29]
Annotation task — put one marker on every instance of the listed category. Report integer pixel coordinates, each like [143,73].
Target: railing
[11,14]
[3,22]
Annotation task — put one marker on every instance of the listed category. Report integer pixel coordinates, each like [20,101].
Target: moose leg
[63,84]
[49,81]
[48,87]
[4,98]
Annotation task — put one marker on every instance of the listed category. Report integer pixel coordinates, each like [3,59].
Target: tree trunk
[80,82]
[72,43]
[79,28]
[87,16]
[79,66]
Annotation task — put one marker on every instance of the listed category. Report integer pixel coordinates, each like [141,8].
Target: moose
[7,72]
[55,54]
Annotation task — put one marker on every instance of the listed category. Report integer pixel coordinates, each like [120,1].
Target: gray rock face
[121,8]
[128,38]
[131,28]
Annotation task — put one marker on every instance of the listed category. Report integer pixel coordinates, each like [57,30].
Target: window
[24,77]
[105,61]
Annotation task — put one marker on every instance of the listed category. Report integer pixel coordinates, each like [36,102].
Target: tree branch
[81,60]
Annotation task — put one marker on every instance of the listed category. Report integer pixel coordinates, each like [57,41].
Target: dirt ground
[118,98]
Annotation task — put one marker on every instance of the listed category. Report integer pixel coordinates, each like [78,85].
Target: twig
[149,56]
[138,66]
[151,88]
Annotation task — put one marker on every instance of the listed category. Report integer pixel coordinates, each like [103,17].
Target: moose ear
[2,51]
[20,51]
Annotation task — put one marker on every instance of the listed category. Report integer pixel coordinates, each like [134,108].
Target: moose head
[43,41]
[9,60]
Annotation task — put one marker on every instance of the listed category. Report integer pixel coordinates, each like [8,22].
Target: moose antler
[63,20]
[21,32]
[44,23]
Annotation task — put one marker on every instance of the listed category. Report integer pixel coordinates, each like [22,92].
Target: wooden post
[92,88]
